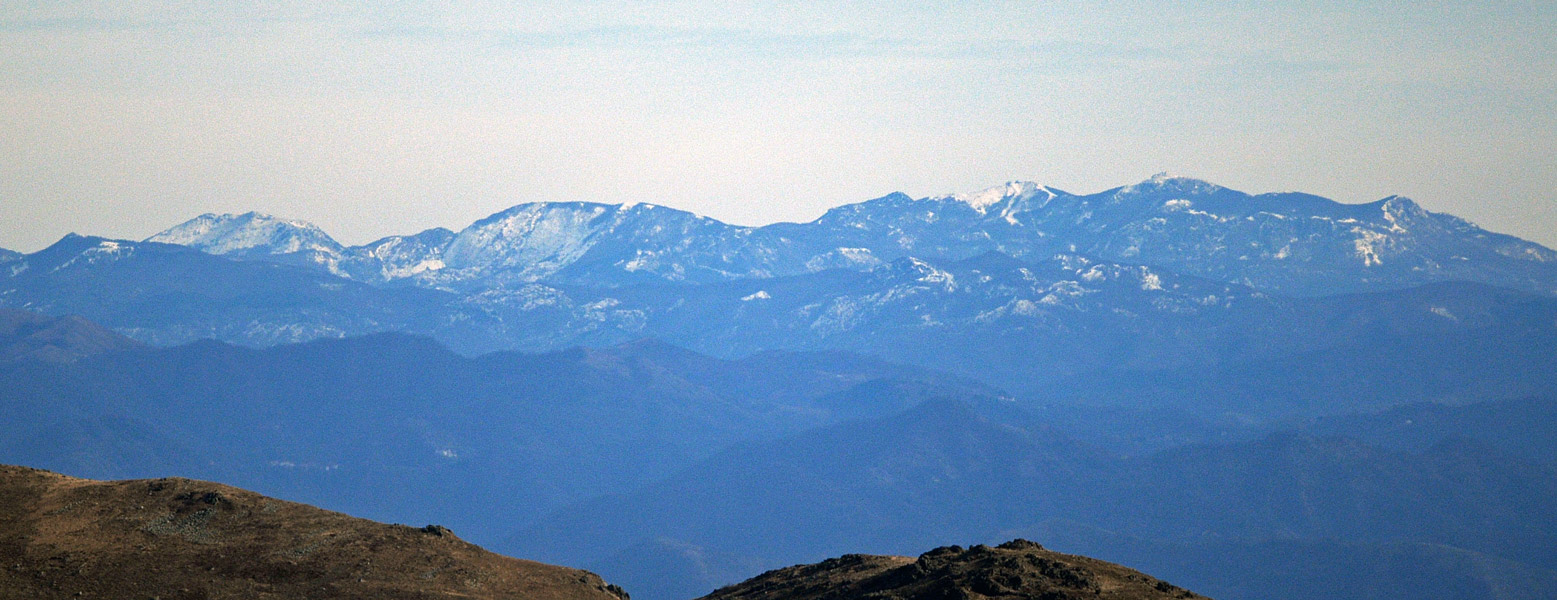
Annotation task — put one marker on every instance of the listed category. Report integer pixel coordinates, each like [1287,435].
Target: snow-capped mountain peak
[248,233]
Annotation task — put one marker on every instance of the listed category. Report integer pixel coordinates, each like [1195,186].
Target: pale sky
[371,119]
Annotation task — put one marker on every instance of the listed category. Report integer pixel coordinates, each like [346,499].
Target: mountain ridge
[1287,242]
[62,537]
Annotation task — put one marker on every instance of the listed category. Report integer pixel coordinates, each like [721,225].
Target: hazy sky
[371,119]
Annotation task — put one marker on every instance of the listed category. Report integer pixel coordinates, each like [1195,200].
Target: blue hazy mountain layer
[1068,330]
[946,471]
[397,427]
[1526,427]
[674,472]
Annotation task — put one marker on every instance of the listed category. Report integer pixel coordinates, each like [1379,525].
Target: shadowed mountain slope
[62,537]
[1524,427]
[981,471]
[392,426]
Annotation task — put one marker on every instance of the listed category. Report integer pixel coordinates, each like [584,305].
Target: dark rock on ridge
[1018,569]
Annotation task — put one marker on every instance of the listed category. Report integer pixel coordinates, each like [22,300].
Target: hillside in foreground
[62,537]
[1018,569]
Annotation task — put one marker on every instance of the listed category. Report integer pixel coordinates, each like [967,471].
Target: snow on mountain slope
[1014,195]
[398,257]
[166,294]
[248,233]
[599,244]
[1289,243]
[254,235]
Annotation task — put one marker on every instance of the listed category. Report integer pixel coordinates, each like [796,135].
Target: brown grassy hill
[62,537]
[1015,570]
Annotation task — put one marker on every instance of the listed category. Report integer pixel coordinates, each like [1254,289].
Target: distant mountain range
[1171,374]
[1133,296]
[1286,243]
[1064,329]
[552,274]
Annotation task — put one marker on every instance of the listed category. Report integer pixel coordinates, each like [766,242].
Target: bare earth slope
[62,537]
[1018,569]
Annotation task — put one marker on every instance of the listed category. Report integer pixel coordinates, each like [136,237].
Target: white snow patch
[1368,244]
[985,198]
[431,264]
[759,295]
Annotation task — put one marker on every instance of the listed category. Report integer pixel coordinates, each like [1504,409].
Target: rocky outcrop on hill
[1018,569]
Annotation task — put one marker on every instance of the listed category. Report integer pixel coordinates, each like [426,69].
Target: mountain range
[1174,375]
[1287,243]
[1167,273]
[1066,330]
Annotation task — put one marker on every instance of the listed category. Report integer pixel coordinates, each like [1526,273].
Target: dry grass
[62,537]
